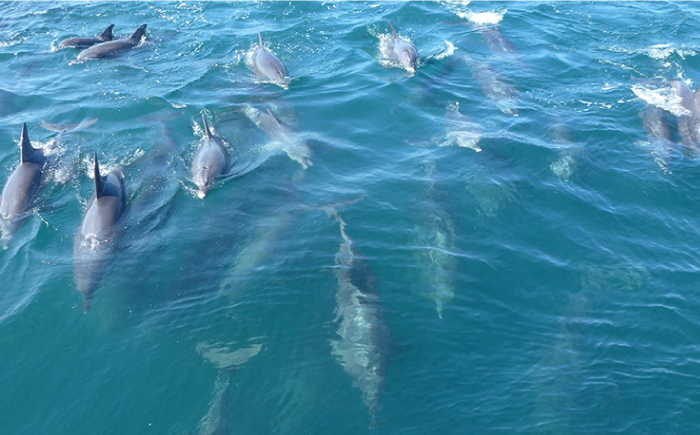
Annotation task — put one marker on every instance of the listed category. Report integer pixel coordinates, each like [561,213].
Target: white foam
[664,98]
[449,51]
[482,18]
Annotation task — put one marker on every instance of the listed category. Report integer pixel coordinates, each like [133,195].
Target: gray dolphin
[688,125]
[210,162]
[21,187]
[268,66]
[88,42]
[284,138]
[112,48]
[362,334]
[98,231]
[403,51]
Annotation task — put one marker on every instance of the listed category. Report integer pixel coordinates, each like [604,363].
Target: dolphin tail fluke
[99,183]
[392,29]
[107,34]
[206,126]
[224,358]
[27,149]
[136,36]
[260,39]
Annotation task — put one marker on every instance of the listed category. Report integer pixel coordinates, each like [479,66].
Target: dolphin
[112,48]
[403,51]
[98,232]
[210,162]
[21,187]
[660,140]
[284,138]
[688,125]
[88,42]
[268,66]
[435,245]
[66,128]
[362,333]
[216,422]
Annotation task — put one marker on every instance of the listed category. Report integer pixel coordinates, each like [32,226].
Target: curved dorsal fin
[392,29]
[206,127]
[99,183]
[106,35]
[27,148]
[139,33]
[260,39]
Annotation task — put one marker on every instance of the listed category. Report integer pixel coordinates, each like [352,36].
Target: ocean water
[527,253]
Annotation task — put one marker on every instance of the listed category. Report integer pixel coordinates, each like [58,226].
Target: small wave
[449,51]
[664,98]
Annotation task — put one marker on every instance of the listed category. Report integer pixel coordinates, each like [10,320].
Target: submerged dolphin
[210,162]
[688,125]
[111,48]
[436,242]
[268,66]
[216,421]
[403,51]
[21,187]
[88,42]
[98,231]
[284,138]
[362,334]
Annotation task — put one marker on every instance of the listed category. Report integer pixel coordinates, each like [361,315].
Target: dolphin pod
[112,48]
[21,187]
[210,162]
[105,36]
[98,232]
[268,66]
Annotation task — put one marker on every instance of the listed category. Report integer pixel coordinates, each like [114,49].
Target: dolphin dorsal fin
[138,33]
[392,29]
[27,148]
[107,34]
[206,127]
[274,118]
[99,183]
[260,39]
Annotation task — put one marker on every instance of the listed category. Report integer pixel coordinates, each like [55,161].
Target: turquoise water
[544,284]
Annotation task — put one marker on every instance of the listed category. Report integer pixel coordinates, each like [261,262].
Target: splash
[665,98]
[449,51]
[482,18]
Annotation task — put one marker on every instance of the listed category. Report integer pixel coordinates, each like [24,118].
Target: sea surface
[528,251]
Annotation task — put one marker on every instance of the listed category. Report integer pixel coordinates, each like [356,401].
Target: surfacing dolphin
[112,48]
[98,231]
[362,334]
[268,66]
[688,125]
[403,51]
[88,42]
[210,162]
[21,187]
[283,137]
